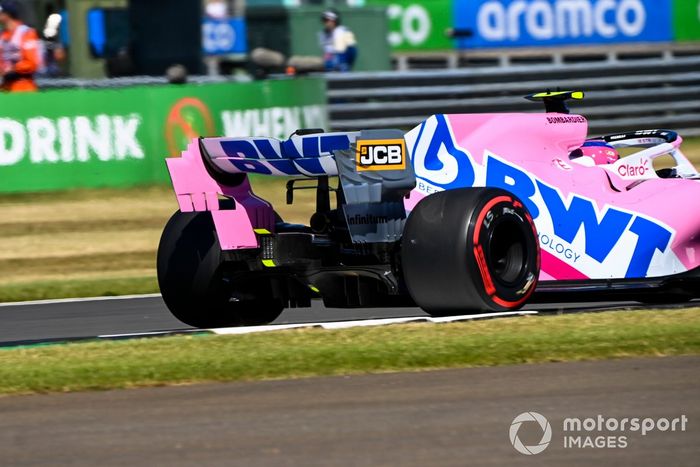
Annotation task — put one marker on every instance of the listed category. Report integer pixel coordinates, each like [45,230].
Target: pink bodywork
[196,190]
[539,144]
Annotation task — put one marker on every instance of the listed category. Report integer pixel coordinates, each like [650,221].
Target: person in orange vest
[20,50]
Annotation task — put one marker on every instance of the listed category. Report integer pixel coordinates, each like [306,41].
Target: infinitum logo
[546,433]
[369,219]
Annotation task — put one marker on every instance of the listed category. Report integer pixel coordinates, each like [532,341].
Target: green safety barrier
[78,138]
[686,20]
[418,26]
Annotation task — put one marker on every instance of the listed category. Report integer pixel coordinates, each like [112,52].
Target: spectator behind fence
[54,52]
[20,50]
[338,43]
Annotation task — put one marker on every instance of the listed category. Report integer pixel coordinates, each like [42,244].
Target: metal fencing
[620,95]
[126,82]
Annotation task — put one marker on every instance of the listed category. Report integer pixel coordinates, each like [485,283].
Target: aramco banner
[92,138]
[515,23]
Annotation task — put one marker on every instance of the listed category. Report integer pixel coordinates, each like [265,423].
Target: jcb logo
[386,154]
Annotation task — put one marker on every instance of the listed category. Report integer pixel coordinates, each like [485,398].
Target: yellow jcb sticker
[381,154]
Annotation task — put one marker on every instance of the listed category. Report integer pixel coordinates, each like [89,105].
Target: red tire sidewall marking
[481,261]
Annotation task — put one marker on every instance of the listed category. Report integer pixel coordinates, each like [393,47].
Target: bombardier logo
[387,154]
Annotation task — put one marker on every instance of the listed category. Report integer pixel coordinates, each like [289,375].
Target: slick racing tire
[193,282]
[470,250]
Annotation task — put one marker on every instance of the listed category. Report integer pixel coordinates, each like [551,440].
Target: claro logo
[544,20]
[637,170]
[387,154]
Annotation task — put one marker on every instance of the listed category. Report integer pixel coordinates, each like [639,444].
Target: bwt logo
[438,161]
[545,20]
[381,155]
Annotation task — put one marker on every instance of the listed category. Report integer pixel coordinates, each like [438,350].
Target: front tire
[470,250]
[193,282]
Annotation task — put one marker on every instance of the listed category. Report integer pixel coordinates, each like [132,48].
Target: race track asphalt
[86,318]
[440,418]
[61,319]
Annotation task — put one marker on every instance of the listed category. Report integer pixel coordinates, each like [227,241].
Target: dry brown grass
[94,236]
[691,148]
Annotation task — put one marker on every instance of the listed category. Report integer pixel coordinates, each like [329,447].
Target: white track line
[79,300]
[366,322]
[327,325]
[151,333]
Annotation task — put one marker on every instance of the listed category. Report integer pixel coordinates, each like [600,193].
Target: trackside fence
[645,93]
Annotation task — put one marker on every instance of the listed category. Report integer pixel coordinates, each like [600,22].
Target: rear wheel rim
[507,252]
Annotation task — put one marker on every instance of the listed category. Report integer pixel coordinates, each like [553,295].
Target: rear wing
[308,155]
[372,166]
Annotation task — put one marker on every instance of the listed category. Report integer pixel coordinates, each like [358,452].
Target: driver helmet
[600,152]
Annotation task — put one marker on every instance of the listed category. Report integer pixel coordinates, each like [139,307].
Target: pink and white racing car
[464,213]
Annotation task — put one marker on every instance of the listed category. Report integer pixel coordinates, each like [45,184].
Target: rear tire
[192,280]
[470,250]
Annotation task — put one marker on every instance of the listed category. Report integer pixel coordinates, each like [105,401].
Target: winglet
[555,101]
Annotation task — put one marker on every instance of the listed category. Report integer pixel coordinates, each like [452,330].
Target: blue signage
[509,23]
[224,36]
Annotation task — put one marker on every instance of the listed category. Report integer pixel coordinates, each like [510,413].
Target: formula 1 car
[464,213]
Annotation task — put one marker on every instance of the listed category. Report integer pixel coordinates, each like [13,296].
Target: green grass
[313,352]
[41,290]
